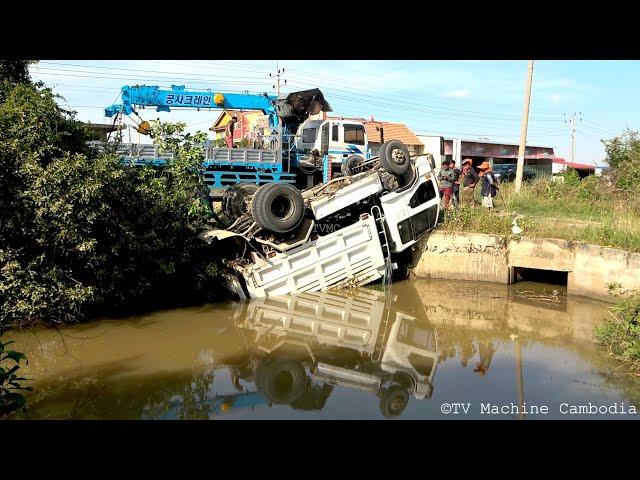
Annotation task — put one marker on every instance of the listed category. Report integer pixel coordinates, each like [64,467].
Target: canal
[421,349]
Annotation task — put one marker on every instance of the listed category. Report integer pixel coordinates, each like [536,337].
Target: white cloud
[555,98]
[458,93]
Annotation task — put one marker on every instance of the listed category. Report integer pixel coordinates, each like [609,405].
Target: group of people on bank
[457,186]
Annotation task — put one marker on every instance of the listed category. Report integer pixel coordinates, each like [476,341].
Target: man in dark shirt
[456,184]
[469,180]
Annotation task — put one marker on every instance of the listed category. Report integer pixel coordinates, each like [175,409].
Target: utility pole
[277,76]
[572,126]
[281,140]
[523,128]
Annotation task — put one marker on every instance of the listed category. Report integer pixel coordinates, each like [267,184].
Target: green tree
[16,71]
[80,231]
[623,155]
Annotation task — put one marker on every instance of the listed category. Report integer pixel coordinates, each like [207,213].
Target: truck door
[412,212]
[324,139]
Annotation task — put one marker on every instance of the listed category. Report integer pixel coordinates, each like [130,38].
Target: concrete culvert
[394,157]
[278,207]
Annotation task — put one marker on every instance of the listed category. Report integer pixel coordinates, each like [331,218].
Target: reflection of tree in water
[189,400]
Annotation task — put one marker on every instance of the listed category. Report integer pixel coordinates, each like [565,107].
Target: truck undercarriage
[279,240]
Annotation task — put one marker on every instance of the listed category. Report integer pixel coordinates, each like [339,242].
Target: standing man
[228,132]
[456,183]
[469,179]
[445,179]
[489,185]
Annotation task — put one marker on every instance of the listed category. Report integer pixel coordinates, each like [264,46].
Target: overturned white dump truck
[347,232]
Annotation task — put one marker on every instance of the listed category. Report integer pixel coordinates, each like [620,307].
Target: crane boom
[177,96]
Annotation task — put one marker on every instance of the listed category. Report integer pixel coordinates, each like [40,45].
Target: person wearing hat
[446,177]
[469,178]
[489,186]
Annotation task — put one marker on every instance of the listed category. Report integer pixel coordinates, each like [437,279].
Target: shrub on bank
[80,233]
[621,333]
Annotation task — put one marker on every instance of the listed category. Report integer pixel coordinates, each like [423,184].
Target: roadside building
[538,160]
[560,165]
[247,122]
[380,132]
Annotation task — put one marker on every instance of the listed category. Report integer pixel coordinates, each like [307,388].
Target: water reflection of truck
[300,347]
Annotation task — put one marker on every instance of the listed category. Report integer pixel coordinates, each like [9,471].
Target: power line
[423,107]
[164,72]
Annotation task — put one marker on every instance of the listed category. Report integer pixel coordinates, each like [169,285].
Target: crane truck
[306,152]
[292,223]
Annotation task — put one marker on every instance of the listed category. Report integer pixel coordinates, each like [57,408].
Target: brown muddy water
[422,349]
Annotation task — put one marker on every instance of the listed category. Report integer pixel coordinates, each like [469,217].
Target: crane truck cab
[333,138]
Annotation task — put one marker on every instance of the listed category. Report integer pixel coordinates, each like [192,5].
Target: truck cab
[337,139]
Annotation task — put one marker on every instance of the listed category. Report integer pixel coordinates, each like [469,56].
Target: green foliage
[16,71]
[11,384]
[80,231]
[243,143]
[220,142]
[571,178]
[623,155]
[621,333]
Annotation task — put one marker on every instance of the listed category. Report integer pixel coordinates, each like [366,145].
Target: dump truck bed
[351,256]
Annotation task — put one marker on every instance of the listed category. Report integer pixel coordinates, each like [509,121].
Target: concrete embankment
[591,270]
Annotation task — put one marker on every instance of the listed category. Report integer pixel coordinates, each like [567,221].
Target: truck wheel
[278,207]
[281,381]
[393,401]
[349,164]
[234,203]
[394,157]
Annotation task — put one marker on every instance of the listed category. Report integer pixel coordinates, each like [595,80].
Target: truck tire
[349,164]
[394,157]
[393,401]
[278,207]
[233,200]
[281,381]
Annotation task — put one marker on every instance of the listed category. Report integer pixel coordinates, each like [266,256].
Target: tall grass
[591,210]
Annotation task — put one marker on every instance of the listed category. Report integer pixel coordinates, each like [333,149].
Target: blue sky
[468,99]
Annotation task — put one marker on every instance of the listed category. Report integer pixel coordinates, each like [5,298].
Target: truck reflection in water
[299,347]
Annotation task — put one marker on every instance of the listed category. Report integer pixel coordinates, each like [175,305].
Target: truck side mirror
[432,162]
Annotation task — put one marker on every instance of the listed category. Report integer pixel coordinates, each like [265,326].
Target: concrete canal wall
[590,269]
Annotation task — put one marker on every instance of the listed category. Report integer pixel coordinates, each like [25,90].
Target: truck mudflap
[352,256]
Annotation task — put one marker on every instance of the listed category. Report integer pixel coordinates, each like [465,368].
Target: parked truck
[349,231]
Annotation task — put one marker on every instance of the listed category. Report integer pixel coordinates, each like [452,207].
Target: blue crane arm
[177,96]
